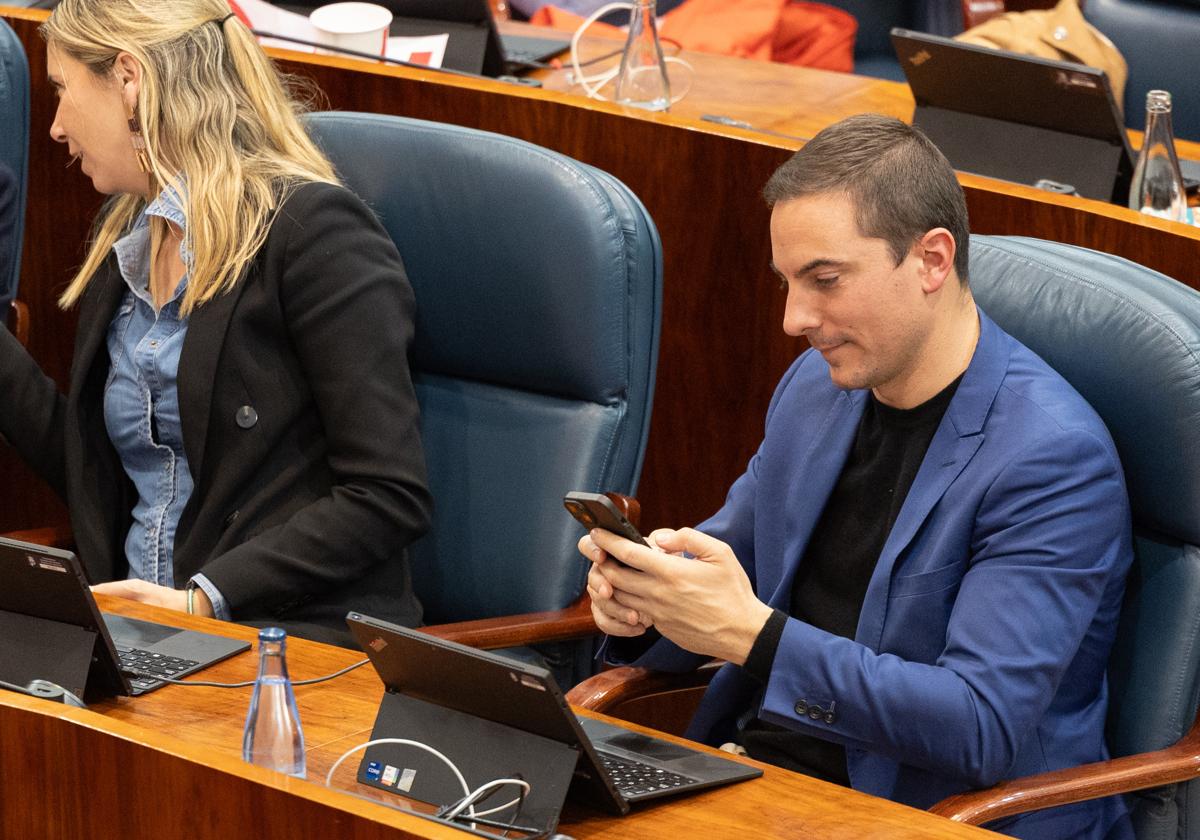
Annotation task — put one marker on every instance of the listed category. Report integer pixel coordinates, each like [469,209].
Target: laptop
[495,716]
[474,45]
[51,629]
[1018,117]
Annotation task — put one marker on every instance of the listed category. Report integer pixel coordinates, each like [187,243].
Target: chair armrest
[1177,763]
[55,536]
[975,12]
[573,622]
[18,321]
[605,691]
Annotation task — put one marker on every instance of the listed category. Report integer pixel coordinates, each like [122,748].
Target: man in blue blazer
[917,580]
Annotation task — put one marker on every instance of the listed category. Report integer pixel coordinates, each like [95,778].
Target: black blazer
[299,420]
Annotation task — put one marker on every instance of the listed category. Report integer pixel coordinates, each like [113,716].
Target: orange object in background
[787,31]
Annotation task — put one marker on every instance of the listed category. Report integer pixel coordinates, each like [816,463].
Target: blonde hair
[220,128]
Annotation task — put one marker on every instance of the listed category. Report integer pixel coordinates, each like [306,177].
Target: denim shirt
[141,404]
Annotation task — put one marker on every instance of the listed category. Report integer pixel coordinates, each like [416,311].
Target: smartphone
[595,510]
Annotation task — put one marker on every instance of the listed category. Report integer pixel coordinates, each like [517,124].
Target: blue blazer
[981,648]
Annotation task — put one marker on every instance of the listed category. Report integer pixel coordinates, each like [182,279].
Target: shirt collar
[133,249]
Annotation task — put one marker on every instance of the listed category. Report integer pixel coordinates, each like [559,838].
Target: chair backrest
[1128,339]
[1159,40]
[538,283]
[14,156]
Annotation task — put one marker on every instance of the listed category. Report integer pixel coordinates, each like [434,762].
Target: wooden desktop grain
[168,765]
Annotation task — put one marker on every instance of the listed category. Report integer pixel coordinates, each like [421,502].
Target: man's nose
[800,314]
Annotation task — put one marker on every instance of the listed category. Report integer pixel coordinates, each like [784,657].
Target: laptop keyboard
[149,667]
[634,777]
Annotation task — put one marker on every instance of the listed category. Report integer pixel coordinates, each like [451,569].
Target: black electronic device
[595,510]
[497,717]
[52,630]
[475,44]
[1018,117]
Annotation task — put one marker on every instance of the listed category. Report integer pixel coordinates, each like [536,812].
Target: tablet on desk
[51,629]
[496,716]
[1018,117]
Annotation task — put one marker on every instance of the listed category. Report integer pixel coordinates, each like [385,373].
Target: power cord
[470,797]
[45,690]
[592,84]
[248,683]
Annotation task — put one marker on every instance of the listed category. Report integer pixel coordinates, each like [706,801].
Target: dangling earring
[139,142]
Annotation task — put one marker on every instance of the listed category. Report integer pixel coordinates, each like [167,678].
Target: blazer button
[801,708]
[246,417]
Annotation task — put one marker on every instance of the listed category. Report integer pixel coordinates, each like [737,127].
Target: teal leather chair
[1160,40]
[538,283]
[14,161]
[1128,339]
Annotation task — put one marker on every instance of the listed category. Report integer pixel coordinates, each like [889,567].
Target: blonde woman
[240,438]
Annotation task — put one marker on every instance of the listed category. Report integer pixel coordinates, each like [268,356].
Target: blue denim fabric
[141,404]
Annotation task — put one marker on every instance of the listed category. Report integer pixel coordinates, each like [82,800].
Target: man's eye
[824,282]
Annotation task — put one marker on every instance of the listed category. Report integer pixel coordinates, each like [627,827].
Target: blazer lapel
[207,326]
[95,314]
[956,441]
[812,481]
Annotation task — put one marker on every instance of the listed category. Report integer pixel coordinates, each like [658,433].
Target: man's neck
[946,354]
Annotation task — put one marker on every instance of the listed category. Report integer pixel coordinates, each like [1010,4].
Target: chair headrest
[467,209]
[1128,339]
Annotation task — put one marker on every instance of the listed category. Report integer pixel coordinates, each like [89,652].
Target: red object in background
[787,31]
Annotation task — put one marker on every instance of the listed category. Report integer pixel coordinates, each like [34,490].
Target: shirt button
[246,417]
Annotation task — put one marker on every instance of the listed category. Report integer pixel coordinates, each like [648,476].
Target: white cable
[471,798]
[599,80]
[403,742]
[467,803]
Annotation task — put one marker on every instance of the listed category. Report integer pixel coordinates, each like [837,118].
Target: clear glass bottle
[1157,186]
[272,737]
[642,79]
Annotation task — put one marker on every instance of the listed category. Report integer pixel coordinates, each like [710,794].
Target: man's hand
[611,616]
[155,595]
[703,603]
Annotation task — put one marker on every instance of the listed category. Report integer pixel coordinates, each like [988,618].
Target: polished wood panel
[722,349]
[106,772]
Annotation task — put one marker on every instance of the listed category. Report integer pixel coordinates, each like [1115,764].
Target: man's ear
[936,250]
[128,72]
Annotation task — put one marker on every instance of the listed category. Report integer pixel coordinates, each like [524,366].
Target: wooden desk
[722,348]
[168,765]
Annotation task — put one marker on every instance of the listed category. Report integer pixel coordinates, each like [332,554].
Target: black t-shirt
[832,579]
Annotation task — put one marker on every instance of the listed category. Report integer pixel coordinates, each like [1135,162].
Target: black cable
[205,684]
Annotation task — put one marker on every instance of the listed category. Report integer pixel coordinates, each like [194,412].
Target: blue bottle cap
[272,634]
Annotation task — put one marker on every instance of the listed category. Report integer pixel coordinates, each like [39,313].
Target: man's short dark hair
[900,184]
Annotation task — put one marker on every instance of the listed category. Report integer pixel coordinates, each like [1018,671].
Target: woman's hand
[157,596]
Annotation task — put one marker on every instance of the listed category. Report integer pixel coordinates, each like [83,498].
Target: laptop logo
[917,59]
[377,644]
[47,563]
[1067,79]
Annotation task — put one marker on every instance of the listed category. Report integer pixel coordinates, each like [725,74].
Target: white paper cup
[352,26]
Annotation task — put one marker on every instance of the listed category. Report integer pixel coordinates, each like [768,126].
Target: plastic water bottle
[642,80]
[272,737]
[1157,187]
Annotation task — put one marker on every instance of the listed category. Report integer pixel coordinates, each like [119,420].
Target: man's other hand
[703,602]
